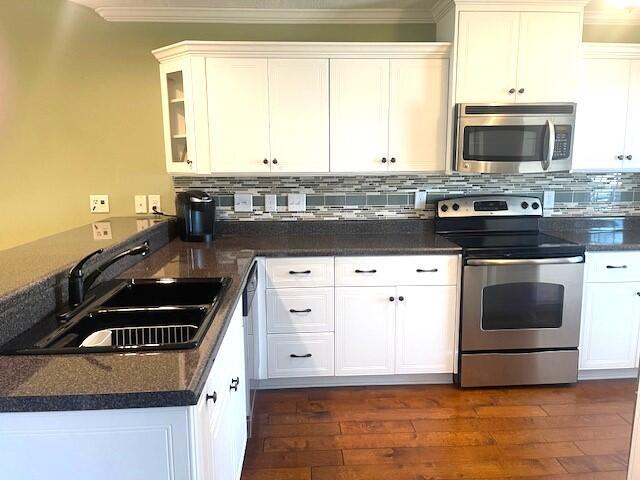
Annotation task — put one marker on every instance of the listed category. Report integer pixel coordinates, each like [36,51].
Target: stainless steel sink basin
[130,315]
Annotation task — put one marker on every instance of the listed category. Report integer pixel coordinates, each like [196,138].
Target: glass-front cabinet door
[183,88]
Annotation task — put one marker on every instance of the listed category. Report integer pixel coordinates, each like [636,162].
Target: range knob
[524,205]
[444,208]
[456,207]
[535,205]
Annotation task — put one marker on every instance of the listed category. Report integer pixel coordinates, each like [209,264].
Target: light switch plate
[297,202]
[243,202]
[421,200]
[271,203]
[140,202]
[99,203]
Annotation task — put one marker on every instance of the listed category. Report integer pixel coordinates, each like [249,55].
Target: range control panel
[494,206]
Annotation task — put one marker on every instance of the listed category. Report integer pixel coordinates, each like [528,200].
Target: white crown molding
[305,49]
[441,8]
[612,17]
[611,50]
[266,15]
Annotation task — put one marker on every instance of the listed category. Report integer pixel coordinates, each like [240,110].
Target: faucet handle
[77,268]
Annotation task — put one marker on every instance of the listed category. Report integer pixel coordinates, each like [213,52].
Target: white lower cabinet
[610,326]
[365,326]
[426,329]
[202,442]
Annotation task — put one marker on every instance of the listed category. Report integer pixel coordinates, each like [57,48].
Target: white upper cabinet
[602,114]
[548,57]
[418,114]
[632,139]
[524,57]
[608,117]
[299,115]
[359,115]
[183,92]
[487,57]
[238,96]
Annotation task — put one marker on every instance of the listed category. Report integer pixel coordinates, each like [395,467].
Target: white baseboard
[356,381]
[610,374]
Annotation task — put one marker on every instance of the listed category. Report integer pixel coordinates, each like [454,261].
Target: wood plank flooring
[442,432]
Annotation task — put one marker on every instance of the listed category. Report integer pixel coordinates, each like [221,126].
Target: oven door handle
[477,262]
[551,145]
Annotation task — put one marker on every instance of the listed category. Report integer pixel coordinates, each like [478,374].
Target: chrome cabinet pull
[613,267]
[629,157]
[304,272]
[392,299]
[366,271]
[512,91]
[620,157]
[420,270]
[213,397]
[521,90]
[308,310]
[306,355]
[234,384]
[384,159]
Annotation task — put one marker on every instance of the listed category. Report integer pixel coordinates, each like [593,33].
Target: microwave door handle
[551,145]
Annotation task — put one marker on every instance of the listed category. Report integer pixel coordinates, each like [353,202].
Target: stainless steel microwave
[514,138]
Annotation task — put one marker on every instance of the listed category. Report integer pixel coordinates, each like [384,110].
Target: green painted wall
[612,33]
[80,107]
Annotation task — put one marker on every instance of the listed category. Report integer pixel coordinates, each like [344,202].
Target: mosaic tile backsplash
[369,197]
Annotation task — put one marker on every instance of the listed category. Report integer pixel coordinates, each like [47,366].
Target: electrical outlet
[243,202]
[297,202]
[549,200]
[99,203]
[154,203]
[140,203]
[102,231]
[421,200]
[270,203]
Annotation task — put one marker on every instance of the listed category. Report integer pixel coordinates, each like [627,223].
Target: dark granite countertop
[176,378]
[173,378]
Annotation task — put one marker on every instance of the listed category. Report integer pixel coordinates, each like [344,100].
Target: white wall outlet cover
[270,203]
[421,200]
[101,231]
[154,203]
[99,203]
[297,202]
[243,202]
[549,201]
[140,202]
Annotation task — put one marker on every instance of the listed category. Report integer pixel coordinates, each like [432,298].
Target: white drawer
[300,355]
[365,271]
[300,310]
[299,272]
[427,270]
[612,267]
[397,270]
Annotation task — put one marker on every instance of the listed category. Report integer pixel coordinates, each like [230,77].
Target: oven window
[512,306]
[508,143]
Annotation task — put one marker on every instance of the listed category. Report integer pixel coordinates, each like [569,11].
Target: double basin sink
[130,315]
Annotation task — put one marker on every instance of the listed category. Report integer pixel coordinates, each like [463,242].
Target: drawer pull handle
[616,266]
[307,310]
[307,355]
[234,384]
[213,397]
[433,270]
[638,293]
[304,272]
[366,271]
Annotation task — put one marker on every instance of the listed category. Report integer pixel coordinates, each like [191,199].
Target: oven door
[517,304]
[514,144]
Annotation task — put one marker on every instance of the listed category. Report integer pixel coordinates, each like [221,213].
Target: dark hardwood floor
[442,432]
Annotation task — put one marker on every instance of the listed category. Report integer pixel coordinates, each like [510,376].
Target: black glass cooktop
[528,244]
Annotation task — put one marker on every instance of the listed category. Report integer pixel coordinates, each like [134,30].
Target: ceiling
[307,11]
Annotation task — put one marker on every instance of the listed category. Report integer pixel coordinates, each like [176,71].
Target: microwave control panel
[562,147]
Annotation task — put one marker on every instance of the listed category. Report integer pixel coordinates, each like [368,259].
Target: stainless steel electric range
[521,293]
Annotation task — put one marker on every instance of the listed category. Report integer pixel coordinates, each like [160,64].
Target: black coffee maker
[196,212]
